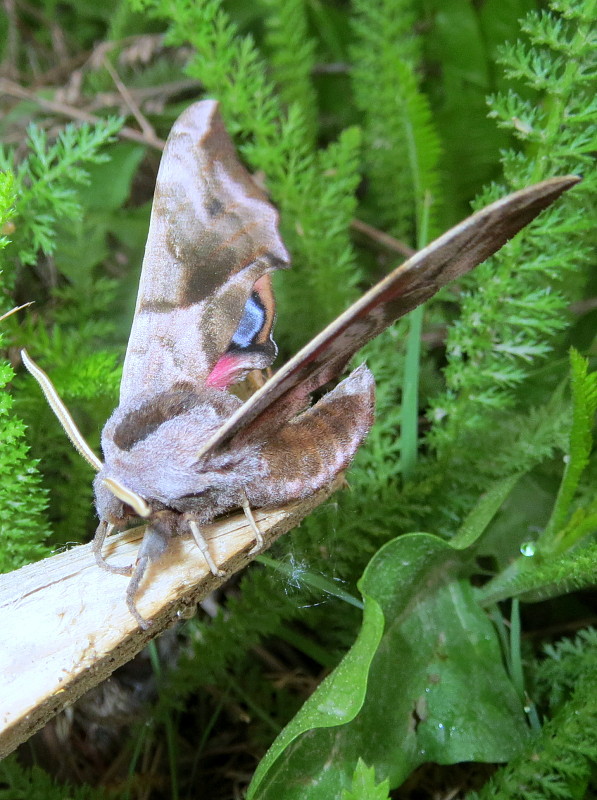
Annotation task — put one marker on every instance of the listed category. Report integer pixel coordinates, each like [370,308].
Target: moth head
[127,497]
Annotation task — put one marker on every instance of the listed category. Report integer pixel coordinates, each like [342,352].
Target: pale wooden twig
[382,238]
[142,94]
[15,90]
[65,624]
[129,101]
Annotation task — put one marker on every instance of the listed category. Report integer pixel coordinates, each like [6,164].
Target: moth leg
[131,590]
[249,515]
[202,545]
[105,529]
[154,544]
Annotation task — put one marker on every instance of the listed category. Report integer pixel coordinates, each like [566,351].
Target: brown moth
[180,449]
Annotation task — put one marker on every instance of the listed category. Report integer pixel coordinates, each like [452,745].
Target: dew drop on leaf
[527,549]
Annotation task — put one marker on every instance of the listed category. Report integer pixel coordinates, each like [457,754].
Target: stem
[169,727]
[409,429]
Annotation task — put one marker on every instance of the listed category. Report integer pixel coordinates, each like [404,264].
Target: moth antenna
[15,309]
[62,412]
[132,499]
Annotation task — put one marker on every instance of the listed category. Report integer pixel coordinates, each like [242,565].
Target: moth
[181,448]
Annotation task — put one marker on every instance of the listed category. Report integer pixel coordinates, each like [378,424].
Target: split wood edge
[65,624]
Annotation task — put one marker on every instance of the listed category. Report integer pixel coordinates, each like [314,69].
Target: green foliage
[399,713]
[460,48]
[376,111]
[45,182]
[224,63]
[550,566]
[322,203]
[567,663]
[292,57]
[560,762]
[514,319]
[401,145]
[401,157]
[85,242]
[48,197]
[17,783]
[558,536]
[7,199]
[364,786]
[22,499]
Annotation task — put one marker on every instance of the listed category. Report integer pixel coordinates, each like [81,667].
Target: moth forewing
[213,235]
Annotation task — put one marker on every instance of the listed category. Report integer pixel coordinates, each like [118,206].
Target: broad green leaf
[483,512]
[584,405]
[83,244]
[80,246]
[336,701]
[110,182]
[436,689]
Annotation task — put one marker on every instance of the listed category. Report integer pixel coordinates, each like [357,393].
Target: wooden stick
[64,621]
[15,90]
[382,238]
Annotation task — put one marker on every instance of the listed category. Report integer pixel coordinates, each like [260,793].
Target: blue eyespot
[251,324]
